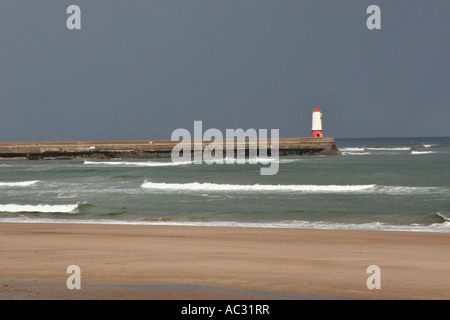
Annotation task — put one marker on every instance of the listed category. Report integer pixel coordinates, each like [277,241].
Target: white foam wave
[390,149]
[215,187]
[196,186]
[346,153]
[443,216]
[283,160]
[264,160]
[236,160]
[430,145]
[422,152]
[356,151]
[409,190]
[295,224]
[352,149]
[19,183]
[178,163]
[138,163]
[64,208]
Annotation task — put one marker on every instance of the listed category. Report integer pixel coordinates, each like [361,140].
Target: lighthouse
[316,130]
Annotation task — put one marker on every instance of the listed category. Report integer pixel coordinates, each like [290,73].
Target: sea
[392,184]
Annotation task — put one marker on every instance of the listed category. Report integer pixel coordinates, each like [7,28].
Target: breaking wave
[441,217]
[236,160]
[347,153]
[19,183]
[390,149]
[430,145]
[292,224]
[216,187]
[422,152]
[401,190]
[196,186]
[352,149]
[138,163]
[357,151]
[178,163]
[48,208]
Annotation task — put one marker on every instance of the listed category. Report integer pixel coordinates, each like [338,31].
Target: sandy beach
[179,262]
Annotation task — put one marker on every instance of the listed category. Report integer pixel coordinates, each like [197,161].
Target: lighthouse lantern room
[316,130]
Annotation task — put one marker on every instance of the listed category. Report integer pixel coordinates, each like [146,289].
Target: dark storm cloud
[140,69]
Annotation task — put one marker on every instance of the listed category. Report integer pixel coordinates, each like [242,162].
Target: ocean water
[377,184]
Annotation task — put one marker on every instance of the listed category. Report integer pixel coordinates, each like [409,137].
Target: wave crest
[442,217]
[270,188]
[347,153]
[196,186]
[137,163]
[47,208]
[18,183]
[389,149]
[422,152]
[352,149]
[430,145]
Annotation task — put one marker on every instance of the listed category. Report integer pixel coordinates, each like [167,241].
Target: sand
[180,262]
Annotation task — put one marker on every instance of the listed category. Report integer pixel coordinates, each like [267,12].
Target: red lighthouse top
[316,109]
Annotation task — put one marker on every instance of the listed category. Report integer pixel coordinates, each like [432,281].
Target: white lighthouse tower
[316,130]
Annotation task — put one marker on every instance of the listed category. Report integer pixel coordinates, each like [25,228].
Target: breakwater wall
[139,149]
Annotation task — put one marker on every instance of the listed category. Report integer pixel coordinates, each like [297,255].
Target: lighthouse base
[317,133]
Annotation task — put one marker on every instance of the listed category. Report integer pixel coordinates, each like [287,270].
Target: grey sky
[141,69]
